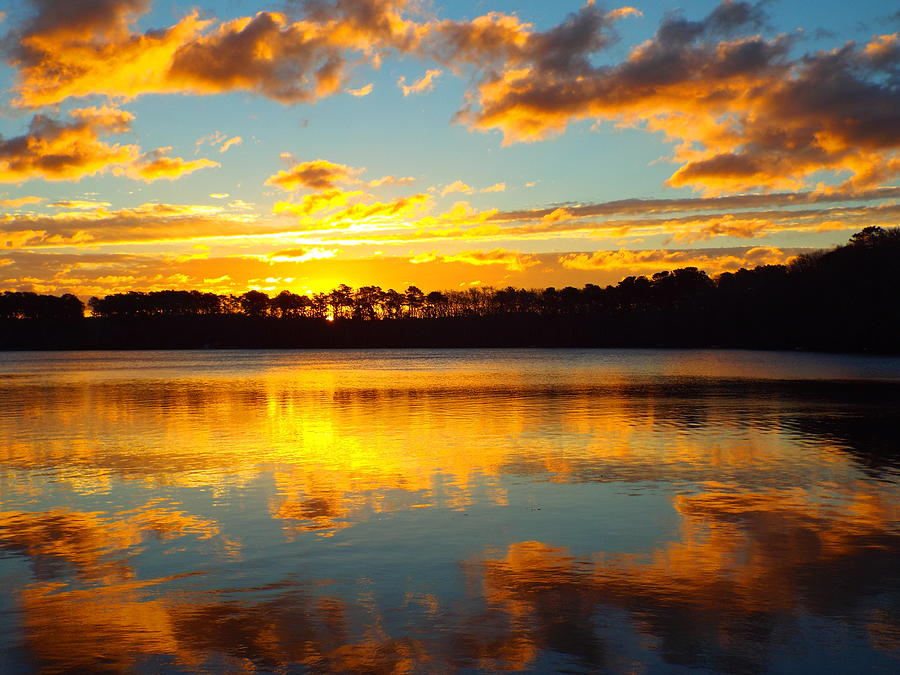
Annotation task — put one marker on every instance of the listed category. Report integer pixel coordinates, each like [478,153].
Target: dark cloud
[688,204]
[266,54]
[79,19]
[746,114]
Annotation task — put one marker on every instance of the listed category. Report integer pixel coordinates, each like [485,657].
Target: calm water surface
[449,511]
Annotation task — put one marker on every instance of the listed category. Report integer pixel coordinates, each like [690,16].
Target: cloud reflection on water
[179,521]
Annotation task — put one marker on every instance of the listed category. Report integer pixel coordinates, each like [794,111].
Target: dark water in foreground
[447,511]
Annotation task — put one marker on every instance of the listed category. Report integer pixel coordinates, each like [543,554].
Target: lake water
[449,511]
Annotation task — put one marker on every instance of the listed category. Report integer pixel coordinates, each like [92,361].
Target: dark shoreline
[643,330]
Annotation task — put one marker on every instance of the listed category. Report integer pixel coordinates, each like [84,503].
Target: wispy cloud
[423,84]
[361,91]
[230,143]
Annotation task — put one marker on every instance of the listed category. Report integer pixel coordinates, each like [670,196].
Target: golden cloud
[456,186]
[21,238]
[156,165]
[21,201]
[361,91]
[316,202]
[55,151]
[557,215]
[511,260]
[379,212]
[464,223]
[711,260]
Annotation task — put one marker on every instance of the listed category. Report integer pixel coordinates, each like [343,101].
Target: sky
[242,144]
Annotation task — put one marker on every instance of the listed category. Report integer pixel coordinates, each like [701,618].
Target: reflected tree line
[837,299]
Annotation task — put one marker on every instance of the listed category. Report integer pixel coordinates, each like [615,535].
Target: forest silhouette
[838,300]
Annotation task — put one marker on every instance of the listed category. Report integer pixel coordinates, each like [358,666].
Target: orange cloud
[21,238]
[318,174]
[82,47]
[55,151]
[743,113]
[491,38]
[156,165]
[423,84]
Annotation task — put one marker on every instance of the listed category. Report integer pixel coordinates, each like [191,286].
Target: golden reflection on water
[743,565]
[434,513]
[85,541]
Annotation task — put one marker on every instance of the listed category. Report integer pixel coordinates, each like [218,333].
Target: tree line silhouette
[842,299]
[27,305]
